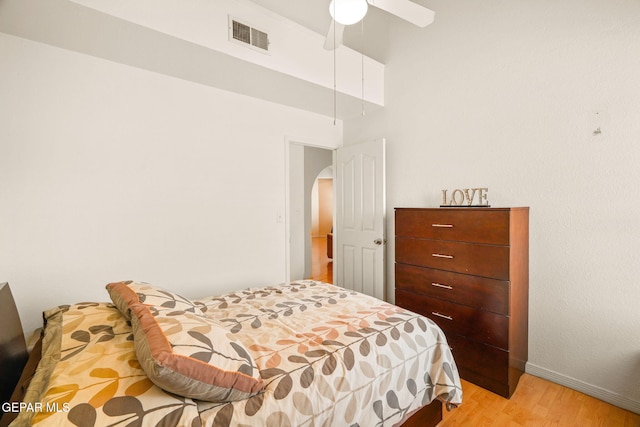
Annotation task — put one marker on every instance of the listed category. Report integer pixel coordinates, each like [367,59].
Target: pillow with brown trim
[125,294]
[187,354]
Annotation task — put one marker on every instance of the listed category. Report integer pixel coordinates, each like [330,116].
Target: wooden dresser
[468,270]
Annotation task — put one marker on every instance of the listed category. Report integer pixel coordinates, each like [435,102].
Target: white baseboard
[589,389]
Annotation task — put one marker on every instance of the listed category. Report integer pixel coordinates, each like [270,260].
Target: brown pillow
[185,353]
[125,294]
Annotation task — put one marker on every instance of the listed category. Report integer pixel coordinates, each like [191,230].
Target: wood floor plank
[536,403]
[321,264]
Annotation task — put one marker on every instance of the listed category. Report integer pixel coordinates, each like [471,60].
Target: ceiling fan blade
[407,10]
[334,35]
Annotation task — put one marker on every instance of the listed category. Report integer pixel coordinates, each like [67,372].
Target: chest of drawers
[468,270]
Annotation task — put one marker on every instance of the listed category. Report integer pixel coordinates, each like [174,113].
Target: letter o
[455,199]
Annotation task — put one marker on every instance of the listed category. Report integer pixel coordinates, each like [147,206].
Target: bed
[301,354]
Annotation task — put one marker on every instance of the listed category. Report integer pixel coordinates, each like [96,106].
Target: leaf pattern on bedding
[253,405]
[83,415]
[329,356]
[129,412]
[93,334]
[100,379]
[152,295]
[223,416]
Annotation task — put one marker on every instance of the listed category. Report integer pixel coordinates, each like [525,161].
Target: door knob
[378,242]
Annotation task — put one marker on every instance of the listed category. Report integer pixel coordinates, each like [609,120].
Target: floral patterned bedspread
[332,357]
[328,357]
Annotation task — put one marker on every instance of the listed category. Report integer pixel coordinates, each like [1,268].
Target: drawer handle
[442,225]
[444,316]
[439,285]
[442,256]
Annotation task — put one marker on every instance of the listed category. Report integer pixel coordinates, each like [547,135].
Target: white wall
[504,95]
[110,173]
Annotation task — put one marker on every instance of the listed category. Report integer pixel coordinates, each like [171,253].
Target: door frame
[306,142]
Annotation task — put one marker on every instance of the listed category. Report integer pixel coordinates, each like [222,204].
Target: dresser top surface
[464,208]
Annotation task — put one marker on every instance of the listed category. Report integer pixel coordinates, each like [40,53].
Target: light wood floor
[321,265]
[536,403]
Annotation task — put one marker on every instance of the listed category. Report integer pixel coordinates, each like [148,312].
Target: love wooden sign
[473,197]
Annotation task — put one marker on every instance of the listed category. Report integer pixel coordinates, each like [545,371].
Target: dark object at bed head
[13,348]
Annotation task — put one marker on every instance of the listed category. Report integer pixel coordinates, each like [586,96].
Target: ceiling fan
[348,12]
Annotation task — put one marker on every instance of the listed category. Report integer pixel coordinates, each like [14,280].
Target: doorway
[322,227]
[307,164]
[359,213]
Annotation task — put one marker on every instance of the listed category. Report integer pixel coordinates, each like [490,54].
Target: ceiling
[370,37]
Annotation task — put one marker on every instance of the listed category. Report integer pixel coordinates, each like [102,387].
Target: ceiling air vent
[247,35]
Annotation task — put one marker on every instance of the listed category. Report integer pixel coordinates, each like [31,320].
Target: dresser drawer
[489,226]
[478,292]
[486,365]
[477,325]
[468,258]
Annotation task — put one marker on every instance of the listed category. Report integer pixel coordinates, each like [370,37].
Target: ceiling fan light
[348,12]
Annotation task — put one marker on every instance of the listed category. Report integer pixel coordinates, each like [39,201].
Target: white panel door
[360,208]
